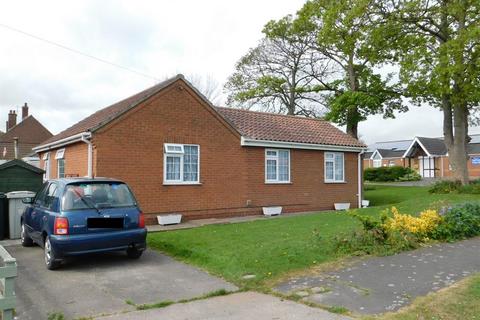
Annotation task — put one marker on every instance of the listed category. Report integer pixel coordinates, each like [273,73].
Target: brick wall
[473,170]
[368,163]
[232,177]
[76,157]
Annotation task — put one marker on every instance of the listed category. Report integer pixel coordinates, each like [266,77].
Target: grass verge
[166,303]
[460,301]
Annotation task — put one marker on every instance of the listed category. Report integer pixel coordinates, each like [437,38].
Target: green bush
[413,176]
[450,186]
[386,174]
[445,186]
[374,238]
[459,222]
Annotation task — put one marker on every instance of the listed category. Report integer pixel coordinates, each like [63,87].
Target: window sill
[182,183]
[335,182]
[280,182]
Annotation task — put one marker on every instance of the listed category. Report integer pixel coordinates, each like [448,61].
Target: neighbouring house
[180,154]
[19,139]
[427,156]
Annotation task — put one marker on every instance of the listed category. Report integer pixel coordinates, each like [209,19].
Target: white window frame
[46,166]
[178,154]
[58,168]
[60,154]
[276,158]
[333,160]
[377,163]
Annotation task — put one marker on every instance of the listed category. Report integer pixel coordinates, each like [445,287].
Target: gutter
[248,142]
[62,142]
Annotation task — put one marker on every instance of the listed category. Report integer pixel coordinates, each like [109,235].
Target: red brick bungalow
[181,154]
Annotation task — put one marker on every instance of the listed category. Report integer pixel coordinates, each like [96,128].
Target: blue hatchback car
[76,216]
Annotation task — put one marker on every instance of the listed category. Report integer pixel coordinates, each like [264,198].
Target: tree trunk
[458,152]
[352,124]
[455,115]
[352,112]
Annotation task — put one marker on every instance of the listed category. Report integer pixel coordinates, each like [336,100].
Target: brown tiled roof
[109,113]
[30,132]
[275,127]
[254,125]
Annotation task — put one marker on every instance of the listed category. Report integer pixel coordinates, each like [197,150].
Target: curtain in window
[329,170]
[190,163]
[338,166]
[283,170]
[271,169]
[173,168]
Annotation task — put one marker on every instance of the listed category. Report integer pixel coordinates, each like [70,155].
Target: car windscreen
[97,196]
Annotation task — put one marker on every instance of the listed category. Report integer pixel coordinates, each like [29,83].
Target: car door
[30,219]
[47,209]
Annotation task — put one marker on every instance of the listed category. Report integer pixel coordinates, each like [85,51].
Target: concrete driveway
[237,306]
[101,284]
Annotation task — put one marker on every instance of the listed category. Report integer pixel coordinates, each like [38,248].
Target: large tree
[437,45]
[342,30]
[282,74]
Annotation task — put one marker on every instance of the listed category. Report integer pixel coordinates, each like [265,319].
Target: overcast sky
[157,38]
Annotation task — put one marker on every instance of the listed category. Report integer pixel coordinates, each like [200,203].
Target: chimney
[15,147]
[12,119]
[24,111]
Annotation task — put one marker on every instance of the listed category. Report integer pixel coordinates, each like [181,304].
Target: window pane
[271,153]
[190,163]
[283,169]
[61,168]
[271,169]
[338,166]
[173,168]
[329,170]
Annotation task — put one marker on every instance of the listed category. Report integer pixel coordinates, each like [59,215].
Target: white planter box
[342,206]
[272,211]
[365,203]
[169,219]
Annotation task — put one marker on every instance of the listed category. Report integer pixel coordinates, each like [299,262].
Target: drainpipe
[15,147]
[86,139]
[360,173]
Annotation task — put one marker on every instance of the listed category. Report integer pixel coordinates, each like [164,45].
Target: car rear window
[97,195]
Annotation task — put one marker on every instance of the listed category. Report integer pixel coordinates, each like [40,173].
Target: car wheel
[50,258]
[134,253]
[26,240]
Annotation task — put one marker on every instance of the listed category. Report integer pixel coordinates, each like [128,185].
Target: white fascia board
[247,142]
[411,146]
[373,154]
[62,142]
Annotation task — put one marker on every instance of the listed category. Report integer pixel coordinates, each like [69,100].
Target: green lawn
[273,247]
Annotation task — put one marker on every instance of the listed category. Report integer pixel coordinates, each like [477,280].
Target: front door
[427,167]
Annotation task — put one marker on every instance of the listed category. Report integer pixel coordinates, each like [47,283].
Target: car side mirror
[27,200]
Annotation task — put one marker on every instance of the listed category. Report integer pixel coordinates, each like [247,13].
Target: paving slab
[238,306]
[101,284]
[382,284]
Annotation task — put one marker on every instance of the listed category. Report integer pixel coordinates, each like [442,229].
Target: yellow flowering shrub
[426,223]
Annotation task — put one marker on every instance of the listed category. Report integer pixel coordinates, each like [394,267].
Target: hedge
[386,174]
